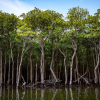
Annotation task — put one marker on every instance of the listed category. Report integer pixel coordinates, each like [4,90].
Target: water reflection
[96,93]
[0,93]
[71,93]
[42,94]
[74,93]
[17,94]
[23,94]
[36,94]
[66,93]
[12,93]
[54,93]
[78,92]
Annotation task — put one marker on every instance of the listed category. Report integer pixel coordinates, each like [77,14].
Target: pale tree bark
[52,64]
[65,55]
[97,64]
[95,71]
[42,66]
[76,69]
[9,71]
[99,78]
[27,70]
[36,74]
[21,57]
[31,66]
[5,68]
[0,62]
[17,66]
[71,63]
[12,62]
[42,44]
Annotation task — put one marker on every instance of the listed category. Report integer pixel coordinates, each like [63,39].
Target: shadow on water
[52,93]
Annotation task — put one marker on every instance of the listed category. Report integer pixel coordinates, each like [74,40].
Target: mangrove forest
[44,48]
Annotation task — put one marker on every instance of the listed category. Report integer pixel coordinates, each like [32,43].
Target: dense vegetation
[44,47]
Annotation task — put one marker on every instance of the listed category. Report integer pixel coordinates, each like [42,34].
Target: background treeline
[44,47]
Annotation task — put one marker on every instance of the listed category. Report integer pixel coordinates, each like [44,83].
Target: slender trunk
[17,66]
[97,64]
[21,58]
[52,64]
[98,74]
[19,69]
[71,64]
[83,69]
[9,71]
[60,69]
[77,68]
[95,69]
[12,62]
[99,78]
[89,77]
[30,67]
[65,70]
[0,62]
[27,71]
[42,44]
[36,74]
[42,66]
[5,68]
[65,55]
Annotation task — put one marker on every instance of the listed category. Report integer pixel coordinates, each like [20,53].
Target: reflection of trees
[0,92]
[8,91]
[17,94]
[12,92]
[3,93]
[78,92]
[66,93]
[96,93]
[86,91]
[54,93]
[36,93]
[23,94]
[71,93]
[42,94]
[31,92]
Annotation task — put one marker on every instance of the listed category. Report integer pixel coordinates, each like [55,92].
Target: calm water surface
[74,93]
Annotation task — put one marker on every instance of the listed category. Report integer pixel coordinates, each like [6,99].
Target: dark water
[74,93]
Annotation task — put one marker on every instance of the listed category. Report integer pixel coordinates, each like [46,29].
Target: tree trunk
[5,68]
[52,64]
[77,68]
[71,64]
[0,62]
[12,62]
[42,44]
[42,66]
[17,66]
[21,58]
[9,71]
[99,78]
[95,69]
[36,74]
[65,55]
[65,70]
[97,64]
[30,67]
[27,71]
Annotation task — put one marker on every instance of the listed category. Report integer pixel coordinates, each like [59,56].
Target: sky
[61,6]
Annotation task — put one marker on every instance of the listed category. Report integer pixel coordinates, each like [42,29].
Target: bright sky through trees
[23,6]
